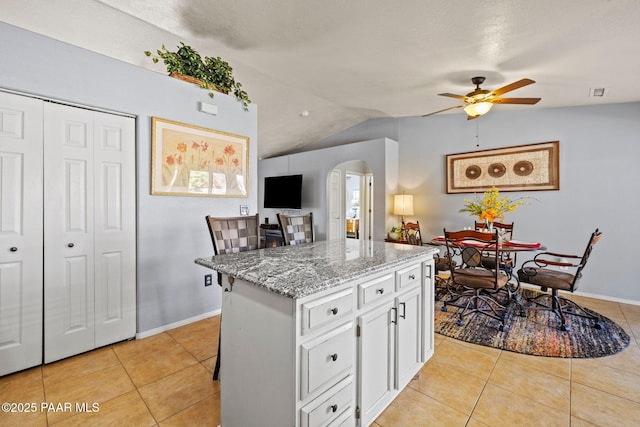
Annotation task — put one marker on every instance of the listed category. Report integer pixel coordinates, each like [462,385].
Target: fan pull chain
[477,134]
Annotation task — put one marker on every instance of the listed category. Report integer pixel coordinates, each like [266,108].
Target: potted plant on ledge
[211,73]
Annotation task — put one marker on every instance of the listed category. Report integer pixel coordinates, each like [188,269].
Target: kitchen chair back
[234,234]
[296,229]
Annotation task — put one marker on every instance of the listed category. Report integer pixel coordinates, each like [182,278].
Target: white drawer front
[375,290]
[326,309]
[334,408]
[408,277]
[326,360]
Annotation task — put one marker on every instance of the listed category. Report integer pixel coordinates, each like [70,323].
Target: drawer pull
[13,249]
[334,356]
[70,245]
[412,276]
[334,408]
[380,291]
[334,311]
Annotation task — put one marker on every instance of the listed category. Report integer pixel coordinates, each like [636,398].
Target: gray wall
[381,155]
[171,230]
[599,187]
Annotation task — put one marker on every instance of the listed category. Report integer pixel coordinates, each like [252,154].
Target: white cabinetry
[334,358]
[389,341]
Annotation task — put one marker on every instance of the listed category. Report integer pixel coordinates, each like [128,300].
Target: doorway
[350,186]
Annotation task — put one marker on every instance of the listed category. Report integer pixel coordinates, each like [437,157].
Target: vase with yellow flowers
[491,207]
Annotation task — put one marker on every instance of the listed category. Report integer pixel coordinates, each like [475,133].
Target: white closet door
[68,231]
[20,233]
[115,232]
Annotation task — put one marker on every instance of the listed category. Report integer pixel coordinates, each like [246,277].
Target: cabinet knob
[334,311]
[334,408]
[334,356]
[70,245]
[412,276]
[380,291]
[13,249]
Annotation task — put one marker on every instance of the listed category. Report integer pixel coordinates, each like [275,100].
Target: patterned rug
[536,334]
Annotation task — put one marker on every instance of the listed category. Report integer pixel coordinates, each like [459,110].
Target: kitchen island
[325,333]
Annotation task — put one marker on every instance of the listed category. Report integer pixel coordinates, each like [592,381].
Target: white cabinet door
[20,232]
[376,361]
[68,223]
[114,228]
[89,296]
[408,336]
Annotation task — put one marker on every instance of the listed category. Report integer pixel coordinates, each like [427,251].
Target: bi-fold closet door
[80,223]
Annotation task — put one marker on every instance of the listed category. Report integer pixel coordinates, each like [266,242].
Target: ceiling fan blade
[472,117]
[446,109]
[512,86]
[453,95]
[529,101]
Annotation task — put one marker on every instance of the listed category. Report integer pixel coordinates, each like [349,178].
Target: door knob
[13,249]
[70,245]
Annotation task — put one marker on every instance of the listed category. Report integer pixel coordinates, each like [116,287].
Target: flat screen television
[283,192]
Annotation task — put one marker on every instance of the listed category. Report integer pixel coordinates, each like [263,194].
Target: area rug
[536,334]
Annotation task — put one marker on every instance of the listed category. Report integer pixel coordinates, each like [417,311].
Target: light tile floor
[166,380]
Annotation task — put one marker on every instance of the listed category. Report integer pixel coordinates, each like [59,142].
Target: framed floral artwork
[518,168]
[189,160]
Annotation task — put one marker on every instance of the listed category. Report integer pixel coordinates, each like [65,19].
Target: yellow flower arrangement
[492,207]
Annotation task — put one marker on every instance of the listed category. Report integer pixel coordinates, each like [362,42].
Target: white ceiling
[346,61]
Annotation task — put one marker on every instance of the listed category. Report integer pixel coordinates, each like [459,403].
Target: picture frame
[188,160]
[531,167]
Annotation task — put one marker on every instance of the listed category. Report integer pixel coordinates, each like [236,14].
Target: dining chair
[548,270]
[412,232]
[505,233]
[296,229]
[480,284]
[230,235]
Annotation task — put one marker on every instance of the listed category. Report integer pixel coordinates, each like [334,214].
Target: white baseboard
[164,328]
[589,295]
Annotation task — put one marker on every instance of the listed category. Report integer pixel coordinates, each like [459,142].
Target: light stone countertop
[301,270]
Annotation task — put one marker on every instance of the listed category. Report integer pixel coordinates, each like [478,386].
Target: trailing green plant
[214,73]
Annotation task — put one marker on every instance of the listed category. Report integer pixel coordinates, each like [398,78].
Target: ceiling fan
[480,101]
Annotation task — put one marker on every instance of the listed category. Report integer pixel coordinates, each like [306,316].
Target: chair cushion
[478,278]
[547,278]
[442,263]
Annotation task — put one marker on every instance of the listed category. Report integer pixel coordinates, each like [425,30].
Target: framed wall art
[189,160]
[519,168]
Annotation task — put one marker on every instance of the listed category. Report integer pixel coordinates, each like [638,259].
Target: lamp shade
[403,204]
[478,108]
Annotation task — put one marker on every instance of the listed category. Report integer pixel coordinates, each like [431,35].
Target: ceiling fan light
[478,108]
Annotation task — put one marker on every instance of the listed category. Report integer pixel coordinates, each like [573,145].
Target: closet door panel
[114,145]
[69,231]
[20,233]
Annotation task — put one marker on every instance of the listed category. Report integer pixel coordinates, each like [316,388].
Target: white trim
[164,328]
[69,103]
[590,295]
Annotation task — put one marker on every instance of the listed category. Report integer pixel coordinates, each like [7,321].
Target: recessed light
[304,113]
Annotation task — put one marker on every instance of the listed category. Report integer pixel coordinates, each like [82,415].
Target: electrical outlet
[208,279]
